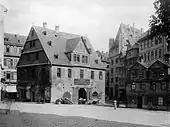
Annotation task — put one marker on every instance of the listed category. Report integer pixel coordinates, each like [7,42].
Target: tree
[160,21]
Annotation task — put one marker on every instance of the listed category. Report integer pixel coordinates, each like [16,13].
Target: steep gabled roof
[61,43]
[161,61]
[142,64]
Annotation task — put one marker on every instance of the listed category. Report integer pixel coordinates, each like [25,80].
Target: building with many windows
[127,36]
[104,56]
[148,79]
[55,64]
[13,45]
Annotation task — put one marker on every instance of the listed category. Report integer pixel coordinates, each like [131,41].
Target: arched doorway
[82,93]
[95,94]
[67,95]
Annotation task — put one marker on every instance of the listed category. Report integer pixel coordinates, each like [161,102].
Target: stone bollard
[115,104]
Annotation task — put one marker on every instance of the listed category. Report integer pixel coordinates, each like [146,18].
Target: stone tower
[3,10]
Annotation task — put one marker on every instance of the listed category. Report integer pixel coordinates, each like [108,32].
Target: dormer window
[45,32]
[18,40]
[96,61]
[56,56]
[49,43]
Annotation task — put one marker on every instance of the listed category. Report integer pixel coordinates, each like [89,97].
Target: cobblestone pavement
[133,116]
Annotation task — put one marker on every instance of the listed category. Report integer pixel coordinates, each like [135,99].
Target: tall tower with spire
[3,11]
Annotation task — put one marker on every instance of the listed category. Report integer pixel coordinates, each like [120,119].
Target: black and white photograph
[84,63]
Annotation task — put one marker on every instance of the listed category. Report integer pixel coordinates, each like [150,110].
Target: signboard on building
[81,81]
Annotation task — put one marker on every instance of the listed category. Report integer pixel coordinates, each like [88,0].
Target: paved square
[55,114]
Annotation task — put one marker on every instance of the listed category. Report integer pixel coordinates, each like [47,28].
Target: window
[160,100]
[112,62]
[144,57]
[75,57]
[12,76]
[15,76]
[134,74]
[20,50]
[8,75]
[11,61]
[141,46]
[78,58]
[156,40]
[28,57]
[152,40]
[6,39]
[141,74]
[154,74]
[152,56]
[148,56]
[58,72]
[37,56]
[116,60]
[33,43]
[92,74]
[153,86]
[81,73]
[30,44]
[69,73]
[83,59]
[160,53]
[56,56]
[7,49]
[111,80]
[100,75]
[15,49]
[111,70]
[161,74]
[49,43]
[142,86]
[5,62]
[156,54]
[133,86]
[96,61]
[163,86]
[116,79]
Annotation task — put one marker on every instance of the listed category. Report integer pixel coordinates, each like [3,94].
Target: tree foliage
[160,20]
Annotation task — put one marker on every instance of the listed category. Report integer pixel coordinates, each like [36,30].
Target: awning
[11,89]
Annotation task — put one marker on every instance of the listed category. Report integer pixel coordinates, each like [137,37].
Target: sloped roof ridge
[53,31]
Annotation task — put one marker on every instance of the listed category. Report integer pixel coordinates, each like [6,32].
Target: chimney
[57,29]
[141,30]
[44,25]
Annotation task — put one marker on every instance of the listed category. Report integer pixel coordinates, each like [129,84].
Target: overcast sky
[98,19]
